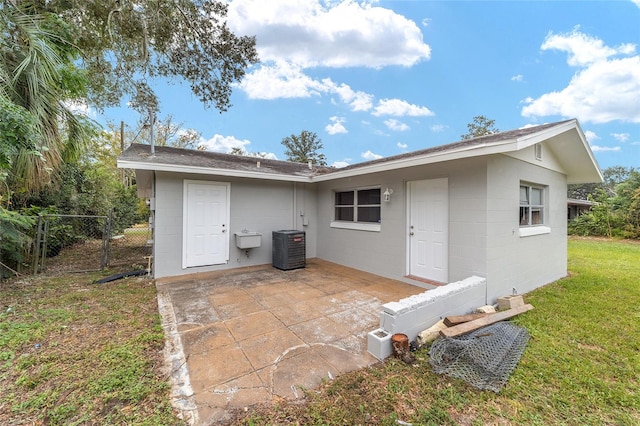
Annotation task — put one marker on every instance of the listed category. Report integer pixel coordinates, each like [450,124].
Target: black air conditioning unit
[289,250]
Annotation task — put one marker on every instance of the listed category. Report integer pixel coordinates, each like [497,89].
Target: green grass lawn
[73,352]
[581,366]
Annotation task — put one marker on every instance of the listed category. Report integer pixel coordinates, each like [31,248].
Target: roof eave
[589,174]
[592,175]
[430,158]
[534,138]
[587,147]
[140,165]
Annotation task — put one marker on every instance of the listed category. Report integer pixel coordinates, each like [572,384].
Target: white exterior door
[429,229]
[205,223]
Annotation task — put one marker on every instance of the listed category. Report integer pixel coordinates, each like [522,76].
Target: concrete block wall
[414,314]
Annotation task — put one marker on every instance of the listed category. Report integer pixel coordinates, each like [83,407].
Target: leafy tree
[616,215]
[612,176]
[55,51]
[480,126]
[304,147]
[633,215]
[37,75]
[166,132]
[582,191]
[237,151]
[125,41]
[626,204]
[599,221]
[243,152]
[615,175]
[14,235]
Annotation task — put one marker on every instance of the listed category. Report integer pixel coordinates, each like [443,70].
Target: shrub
[15,240]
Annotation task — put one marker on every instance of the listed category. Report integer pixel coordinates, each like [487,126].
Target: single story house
[492,206]
[576,207]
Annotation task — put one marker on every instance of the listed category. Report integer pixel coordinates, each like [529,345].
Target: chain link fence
[131,248]
[59,243]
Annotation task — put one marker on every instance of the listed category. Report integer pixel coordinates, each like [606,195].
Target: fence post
[106,240]
[45,235]
[36,248]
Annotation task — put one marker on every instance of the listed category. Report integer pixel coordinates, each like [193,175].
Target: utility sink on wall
[248,239]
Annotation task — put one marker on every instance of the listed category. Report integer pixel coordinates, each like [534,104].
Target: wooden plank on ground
[452,320]
[481,322]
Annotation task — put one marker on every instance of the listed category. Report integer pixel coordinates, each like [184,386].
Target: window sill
[534,230]
[372,227]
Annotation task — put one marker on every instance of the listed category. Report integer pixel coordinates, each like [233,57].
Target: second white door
[429,229]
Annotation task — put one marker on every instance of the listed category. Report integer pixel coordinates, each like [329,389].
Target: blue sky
[378,78]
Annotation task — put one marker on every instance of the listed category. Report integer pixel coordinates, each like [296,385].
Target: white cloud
[583,49]
[294,35]
[80,107]
[636,2]
[398,126]
[370,155]
[336,126]
[284,80]
[280,80]
[604,92]
[591,136]
[604,89]
[400,108]
[402,145]
[622,137]
[340,164]
[517,78]
[261,154]
[219,143]
[437,128]
[333,34]
[357,101]
[596,148]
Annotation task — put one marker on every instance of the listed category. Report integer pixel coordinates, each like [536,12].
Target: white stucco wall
[262,206]
[385,252]
[516,263]
[484,237]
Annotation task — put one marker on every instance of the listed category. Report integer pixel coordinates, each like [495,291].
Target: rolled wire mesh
[484,358]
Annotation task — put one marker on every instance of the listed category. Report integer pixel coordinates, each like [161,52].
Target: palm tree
[38,131]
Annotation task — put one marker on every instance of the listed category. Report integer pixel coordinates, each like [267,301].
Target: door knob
[411,234]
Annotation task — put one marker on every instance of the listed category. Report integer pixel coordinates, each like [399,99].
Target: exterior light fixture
[387,194]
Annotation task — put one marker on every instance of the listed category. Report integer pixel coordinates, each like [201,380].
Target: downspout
[153,228]
[294,221]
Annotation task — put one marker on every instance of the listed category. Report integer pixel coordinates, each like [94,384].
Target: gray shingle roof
[468,143]
[214,160]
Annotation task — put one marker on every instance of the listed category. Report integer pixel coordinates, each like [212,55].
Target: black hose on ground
[136,273]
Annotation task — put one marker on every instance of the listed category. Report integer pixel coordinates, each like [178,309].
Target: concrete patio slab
[245,336]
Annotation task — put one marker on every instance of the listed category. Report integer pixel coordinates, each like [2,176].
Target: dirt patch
[126,254]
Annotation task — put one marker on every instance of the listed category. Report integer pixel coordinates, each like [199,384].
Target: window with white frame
[361,205]
[531,205]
